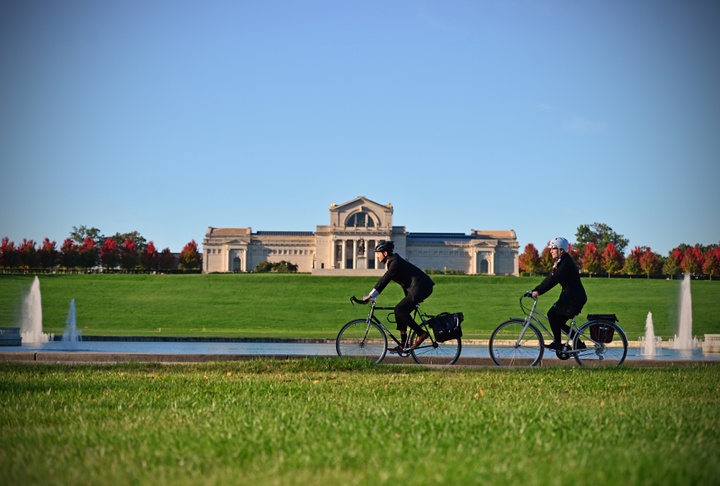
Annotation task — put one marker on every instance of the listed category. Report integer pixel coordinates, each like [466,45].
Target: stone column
[333,250]
[343,264]
[355,256]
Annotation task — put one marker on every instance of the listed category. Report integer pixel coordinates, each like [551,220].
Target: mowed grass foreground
[331,421]
[292,306]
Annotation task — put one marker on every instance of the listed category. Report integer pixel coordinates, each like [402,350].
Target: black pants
[404,310]
[558,323]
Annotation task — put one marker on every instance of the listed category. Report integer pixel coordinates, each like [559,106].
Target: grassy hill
[272,305]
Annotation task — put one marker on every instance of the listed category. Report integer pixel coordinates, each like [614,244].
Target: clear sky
[169,116]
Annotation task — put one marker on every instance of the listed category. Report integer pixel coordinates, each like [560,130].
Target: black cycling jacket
[573,296]
[413,281]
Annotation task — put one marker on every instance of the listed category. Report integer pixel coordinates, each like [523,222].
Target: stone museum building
[345,246]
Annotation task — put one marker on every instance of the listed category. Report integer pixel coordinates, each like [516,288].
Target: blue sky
[166,117]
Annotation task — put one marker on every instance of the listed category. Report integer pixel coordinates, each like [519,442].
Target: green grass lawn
[330,421]
[271,305]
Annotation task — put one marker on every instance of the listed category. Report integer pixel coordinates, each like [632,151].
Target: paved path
[183,350]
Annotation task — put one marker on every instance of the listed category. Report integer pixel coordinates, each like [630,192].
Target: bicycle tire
[507,349]
[360,339]
[599,353]
[431,352]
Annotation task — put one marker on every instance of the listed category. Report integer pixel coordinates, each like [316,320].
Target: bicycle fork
[522,334]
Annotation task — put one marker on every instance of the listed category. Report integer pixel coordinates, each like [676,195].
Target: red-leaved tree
[69,254]
[546,260]
[28,254]
[612,259]
[166,261]
[190,259]
[89,254]
[47,254]
[109,254]
[649,262]
[530,260]
[712,262]
[693,260]
[129,258]
[149,258]
[9,257]
[592,260]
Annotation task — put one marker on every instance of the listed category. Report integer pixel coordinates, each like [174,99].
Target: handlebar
[355,300]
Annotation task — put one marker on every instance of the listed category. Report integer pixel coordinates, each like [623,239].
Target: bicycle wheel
[431,352]
[360,339]
[606,344]
[514,344]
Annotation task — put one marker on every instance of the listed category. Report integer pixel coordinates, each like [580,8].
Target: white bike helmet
[558,242]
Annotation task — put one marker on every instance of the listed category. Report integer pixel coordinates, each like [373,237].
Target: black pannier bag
[446,326]
[601,333]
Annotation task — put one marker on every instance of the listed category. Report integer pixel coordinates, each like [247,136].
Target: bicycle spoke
[514,344]
[359,339]
[606,344]
[434,353]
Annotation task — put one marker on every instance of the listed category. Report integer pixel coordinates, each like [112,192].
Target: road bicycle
[368,338]
[599,342]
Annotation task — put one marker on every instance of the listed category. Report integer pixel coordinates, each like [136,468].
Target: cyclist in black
[572,297]
[414,282]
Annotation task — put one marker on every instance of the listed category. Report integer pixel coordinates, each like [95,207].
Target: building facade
[345,246]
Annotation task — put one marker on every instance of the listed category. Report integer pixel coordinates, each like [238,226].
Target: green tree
[263,267]
[134,236]
[81,234]
[530,260]
[672,262]
[285,267]
[601,235]
[592,260]
[632,266]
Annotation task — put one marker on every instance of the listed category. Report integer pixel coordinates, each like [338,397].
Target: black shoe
[396,350]
[580,345]
[555,346]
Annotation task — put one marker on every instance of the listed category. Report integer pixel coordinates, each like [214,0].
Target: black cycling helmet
[387,246]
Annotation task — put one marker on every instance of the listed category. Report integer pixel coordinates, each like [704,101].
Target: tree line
[87,250]
[601,251]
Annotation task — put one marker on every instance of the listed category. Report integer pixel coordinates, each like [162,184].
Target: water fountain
[71,333]
[684,339]
[649,342]
[31,318]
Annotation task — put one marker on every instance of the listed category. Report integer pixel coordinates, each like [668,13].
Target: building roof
[284,233]
[438,236]
[228,231]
